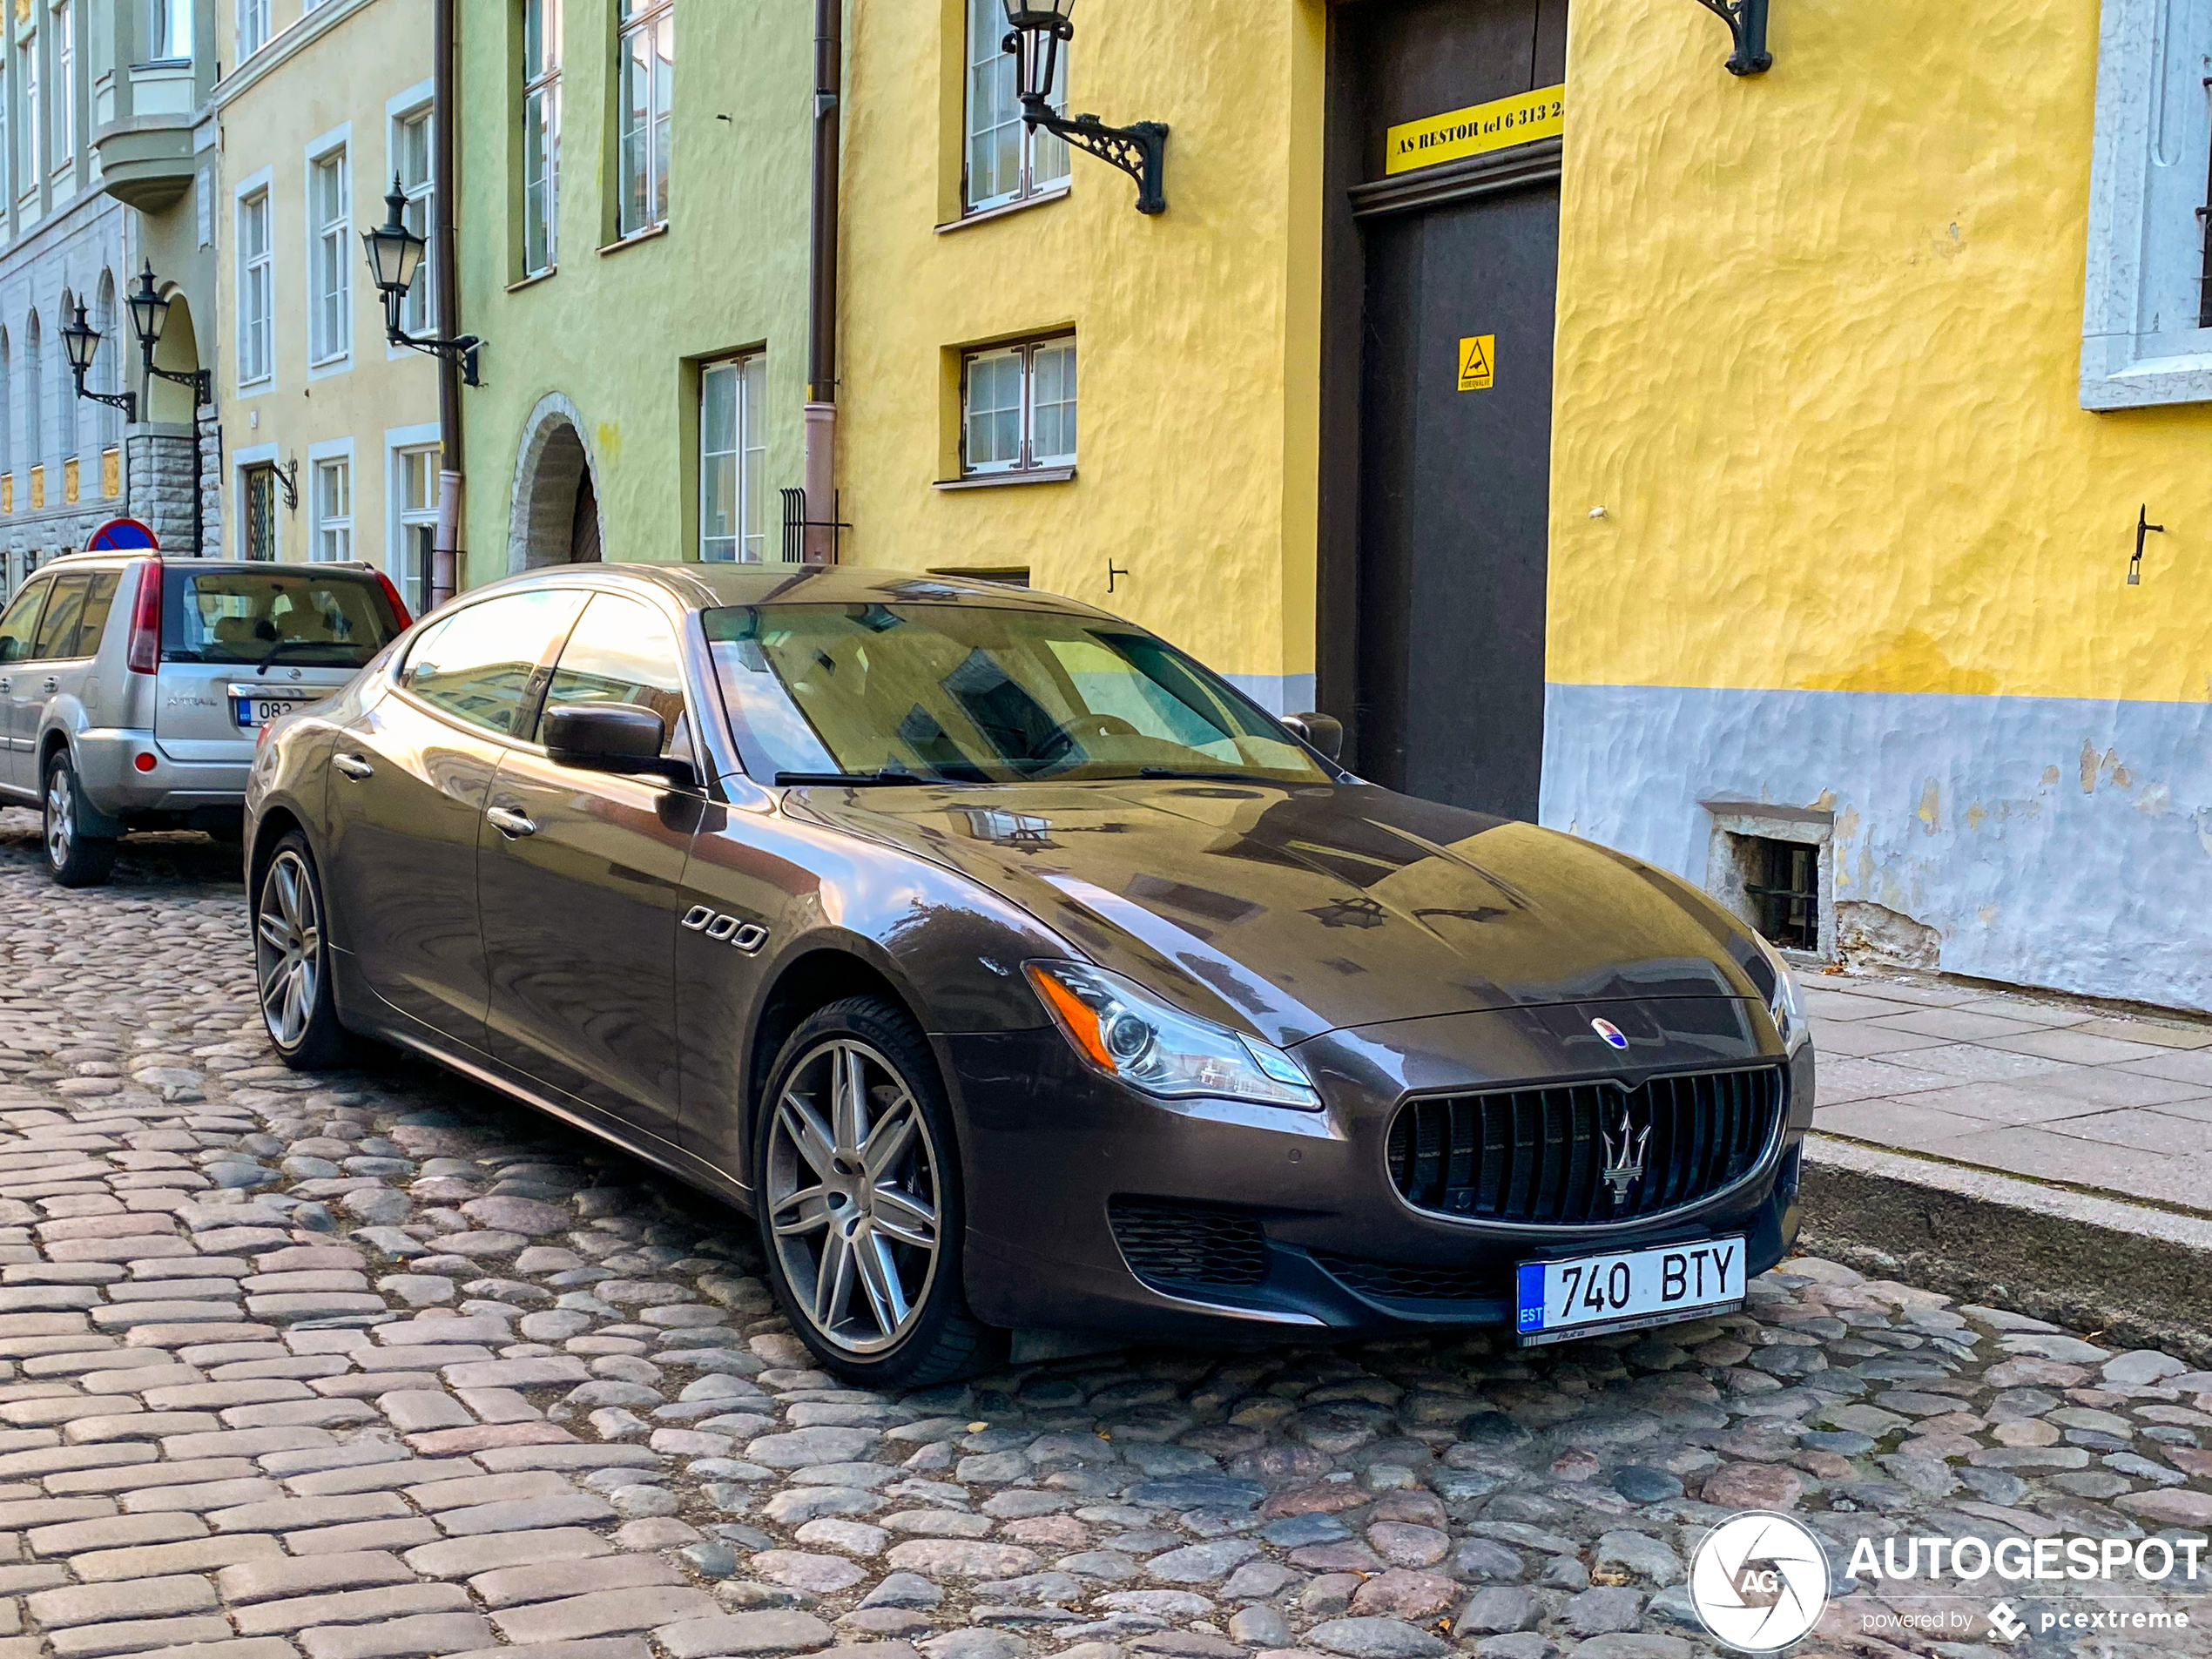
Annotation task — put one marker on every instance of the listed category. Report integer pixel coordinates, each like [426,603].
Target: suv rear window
[292,614]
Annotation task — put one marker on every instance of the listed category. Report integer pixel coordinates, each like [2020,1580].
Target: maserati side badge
[1624,1157]
[1612,1033]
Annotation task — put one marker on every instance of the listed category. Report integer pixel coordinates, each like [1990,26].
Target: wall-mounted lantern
[82,341]
[1034,34]
[394,255]
[1746,21]
[149,309]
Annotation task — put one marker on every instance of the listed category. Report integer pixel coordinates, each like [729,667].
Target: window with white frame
[27,139]
[411,166]
[646,44]
[1006,161]
[64,99]
[34,394]
[415,500]
[252,27]
[541,135]
[330,282]
[256,290]
[1018,408]
[334,508]
[65,414]
[733,445]
[2147,313]
[108,366]
[169,29]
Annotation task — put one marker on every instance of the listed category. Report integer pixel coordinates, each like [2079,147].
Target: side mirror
[613,737]
[1324,731]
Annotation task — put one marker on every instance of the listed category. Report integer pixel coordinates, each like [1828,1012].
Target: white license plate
[259,710]
[1588,1294]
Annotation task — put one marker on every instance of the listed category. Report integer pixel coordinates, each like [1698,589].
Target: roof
[707,586]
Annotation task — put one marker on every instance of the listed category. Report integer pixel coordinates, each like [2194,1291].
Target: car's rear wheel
[73,858]
[862,1211]
[292,961]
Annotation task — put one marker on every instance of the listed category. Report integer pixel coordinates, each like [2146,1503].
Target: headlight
[1788,1004]
[1140,1041]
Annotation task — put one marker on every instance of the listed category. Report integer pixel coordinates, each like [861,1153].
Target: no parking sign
[122,536]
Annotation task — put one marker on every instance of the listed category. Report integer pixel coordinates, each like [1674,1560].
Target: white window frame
[2147,171]
[1027,459]
[321,458]
[32,136]
[169,31]
[330,253]
[256,275]
[747,454]
[1045,164]
[419,312]
[647,17]
[543,93]
[400,444]
[62,105]
[252,27]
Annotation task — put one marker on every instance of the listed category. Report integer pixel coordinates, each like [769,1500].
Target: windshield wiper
[887,775]
[284,645]
[1177,773]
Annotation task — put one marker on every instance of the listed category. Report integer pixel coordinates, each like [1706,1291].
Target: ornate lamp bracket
[1139,150]
[1746,21]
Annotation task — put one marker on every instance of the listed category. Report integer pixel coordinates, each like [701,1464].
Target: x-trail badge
[1624,1157]
[1613,1034]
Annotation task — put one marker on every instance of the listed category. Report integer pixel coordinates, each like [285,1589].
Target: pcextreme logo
[1759,1582]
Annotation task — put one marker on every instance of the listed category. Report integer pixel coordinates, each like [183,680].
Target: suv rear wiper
[886,775]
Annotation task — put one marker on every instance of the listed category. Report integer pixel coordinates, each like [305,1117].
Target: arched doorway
[554,519]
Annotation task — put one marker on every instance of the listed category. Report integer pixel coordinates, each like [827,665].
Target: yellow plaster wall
[1197,330]
[1819,337]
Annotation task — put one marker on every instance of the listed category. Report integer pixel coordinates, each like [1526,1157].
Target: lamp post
[149,309]
[394,255]
[1035,32]
[82,341]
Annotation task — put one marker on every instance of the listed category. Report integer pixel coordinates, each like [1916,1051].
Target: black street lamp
[1746,21]
[394,255]
[149,316]
[82,341]
[1034,29]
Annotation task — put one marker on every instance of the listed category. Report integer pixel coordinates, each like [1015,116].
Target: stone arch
[553,517]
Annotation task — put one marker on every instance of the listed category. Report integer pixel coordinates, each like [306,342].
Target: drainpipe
[821,346]
[444,575]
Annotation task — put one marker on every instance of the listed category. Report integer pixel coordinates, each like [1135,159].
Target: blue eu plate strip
[1530,1299]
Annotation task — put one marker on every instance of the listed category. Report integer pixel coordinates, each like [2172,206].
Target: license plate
[1586,1295]
[259,710]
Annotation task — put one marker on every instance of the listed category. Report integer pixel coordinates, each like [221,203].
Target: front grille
[1541,1155]
[1406,1282]
[1175,1244]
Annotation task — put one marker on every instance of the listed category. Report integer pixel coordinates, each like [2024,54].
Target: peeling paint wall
[1819,339]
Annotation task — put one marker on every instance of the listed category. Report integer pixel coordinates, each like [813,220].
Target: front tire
[292,961]
[73,858]
[861,1211]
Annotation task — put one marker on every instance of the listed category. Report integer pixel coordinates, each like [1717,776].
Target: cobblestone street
[375,1366]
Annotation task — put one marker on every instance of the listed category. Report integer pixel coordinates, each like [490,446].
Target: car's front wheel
[292,961]
[73,858]
[861,1213]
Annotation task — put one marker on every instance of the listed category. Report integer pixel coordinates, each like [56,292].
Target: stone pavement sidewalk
[2024,1083]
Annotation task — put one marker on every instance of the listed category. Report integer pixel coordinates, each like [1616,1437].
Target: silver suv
[133,688]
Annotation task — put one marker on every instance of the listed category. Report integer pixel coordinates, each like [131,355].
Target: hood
[1303,909]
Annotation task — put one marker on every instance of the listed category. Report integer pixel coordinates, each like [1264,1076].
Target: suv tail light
[145,620]
[392,598]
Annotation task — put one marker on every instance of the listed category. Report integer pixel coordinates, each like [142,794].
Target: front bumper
[106,766]
[1053,1151]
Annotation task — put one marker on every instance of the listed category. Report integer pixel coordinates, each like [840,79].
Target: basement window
[1773,866]
[1782,879]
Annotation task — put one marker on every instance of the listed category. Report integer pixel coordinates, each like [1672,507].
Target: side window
[479,664]
[19,625]
[58,632]
[623,651]
[99,599]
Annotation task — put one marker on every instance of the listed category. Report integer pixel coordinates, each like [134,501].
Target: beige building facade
[331,434]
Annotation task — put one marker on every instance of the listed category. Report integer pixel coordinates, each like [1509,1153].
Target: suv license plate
[259,710]
[1585,1295]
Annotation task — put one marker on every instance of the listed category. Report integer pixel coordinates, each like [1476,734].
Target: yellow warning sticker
[1478,362]
[1522,118]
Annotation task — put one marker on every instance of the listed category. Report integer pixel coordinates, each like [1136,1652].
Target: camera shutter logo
[1759,1582]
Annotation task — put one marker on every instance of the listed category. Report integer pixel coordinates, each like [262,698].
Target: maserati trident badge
[1624,1157]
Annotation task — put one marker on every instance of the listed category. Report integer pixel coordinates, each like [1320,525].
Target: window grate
[1783,881]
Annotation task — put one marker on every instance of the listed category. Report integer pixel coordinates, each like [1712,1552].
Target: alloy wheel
[61,817]
[853,1195]
[287,948]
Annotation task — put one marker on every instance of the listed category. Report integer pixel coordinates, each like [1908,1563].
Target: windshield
[294,614]
[980,695]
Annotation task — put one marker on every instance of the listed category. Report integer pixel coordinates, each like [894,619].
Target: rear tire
[292,961]
[73,858]
[862,1214]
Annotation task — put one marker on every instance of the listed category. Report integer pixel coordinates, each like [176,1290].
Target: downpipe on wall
[820,542]
[443,579]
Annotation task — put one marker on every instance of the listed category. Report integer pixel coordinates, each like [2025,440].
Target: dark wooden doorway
[583,528]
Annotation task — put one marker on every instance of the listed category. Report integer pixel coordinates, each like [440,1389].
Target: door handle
[510,824]
[353,765]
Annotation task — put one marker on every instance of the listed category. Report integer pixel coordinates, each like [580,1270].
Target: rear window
[289,614]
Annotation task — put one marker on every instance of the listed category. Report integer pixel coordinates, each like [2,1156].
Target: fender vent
[1175,1244]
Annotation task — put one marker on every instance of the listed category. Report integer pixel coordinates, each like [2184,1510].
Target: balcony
[146,157]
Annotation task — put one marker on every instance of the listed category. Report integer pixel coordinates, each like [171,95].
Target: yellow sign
[1478,362]
[1521,118]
